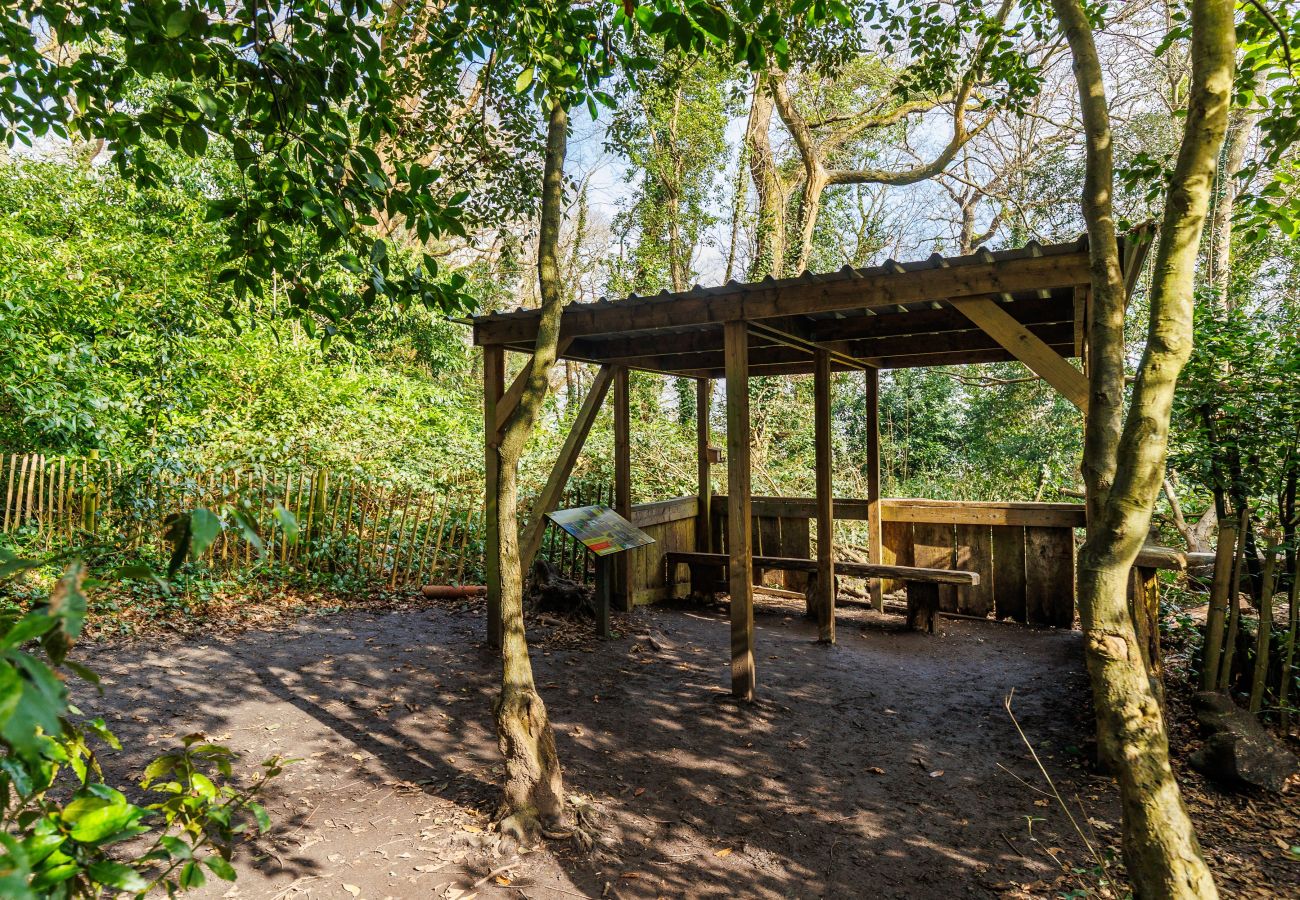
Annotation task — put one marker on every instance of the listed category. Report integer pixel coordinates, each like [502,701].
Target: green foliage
[674,138]
[295,93]
[66,831]
[1268,80]
[116,343]
[1238,414]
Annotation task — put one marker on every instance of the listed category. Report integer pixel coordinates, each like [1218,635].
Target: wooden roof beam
[1029,312]
[947,341]
[793,332]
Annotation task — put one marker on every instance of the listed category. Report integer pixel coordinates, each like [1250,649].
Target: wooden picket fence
[348,525]
[561,549]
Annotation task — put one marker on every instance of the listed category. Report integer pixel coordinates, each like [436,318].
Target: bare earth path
[879,768]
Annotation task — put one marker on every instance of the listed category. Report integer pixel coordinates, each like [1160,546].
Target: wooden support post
[605,569]
[494,378]
[531,540]
[622,587]
[739,539]
[875,522]
[704,481]
[824,496]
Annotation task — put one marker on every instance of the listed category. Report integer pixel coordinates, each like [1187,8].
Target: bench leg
[810,596]
[922,605]
[703,580]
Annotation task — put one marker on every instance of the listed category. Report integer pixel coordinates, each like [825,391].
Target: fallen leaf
[638,792]
[936,773]
[876,770]
[352,889]
[502,880]
[723,852]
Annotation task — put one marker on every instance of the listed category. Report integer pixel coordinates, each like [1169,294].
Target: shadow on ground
[885,766]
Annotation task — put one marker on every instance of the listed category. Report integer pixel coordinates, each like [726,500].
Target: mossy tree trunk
[1124,455]
[534,784]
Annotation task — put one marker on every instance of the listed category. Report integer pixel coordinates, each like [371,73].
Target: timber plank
[895,550]
[875,521]
[796,541]
[1049,576]
[1009,572]
[825,498]
[932,548]
[622,483]
[948,576]
[740,549]
[975,554]
[1027,347]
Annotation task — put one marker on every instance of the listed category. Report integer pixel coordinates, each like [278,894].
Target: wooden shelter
[1028,304]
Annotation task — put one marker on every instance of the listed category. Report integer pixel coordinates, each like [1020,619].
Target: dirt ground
[883,767]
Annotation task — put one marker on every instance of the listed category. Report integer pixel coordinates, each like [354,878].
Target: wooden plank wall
[1024,552]
[672,525]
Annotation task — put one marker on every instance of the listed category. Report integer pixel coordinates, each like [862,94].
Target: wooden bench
[922,584]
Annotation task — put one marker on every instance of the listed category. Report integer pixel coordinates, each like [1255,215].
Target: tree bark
[1125,455]
[1240,125]
[769,249]
[534,786]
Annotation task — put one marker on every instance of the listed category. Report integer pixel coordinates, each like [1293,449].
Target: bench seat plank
[851,569]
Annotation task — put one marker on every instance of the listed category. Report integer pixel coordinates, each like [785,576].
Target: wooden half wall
[672,525]
[1024,552]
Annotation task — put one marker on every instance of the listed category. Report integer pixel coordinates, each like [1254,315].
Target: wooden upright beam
[531,541]
[494,377]
[739,538]
[875,518]
[1025,346]
[704,481]
[622,593]
[824,497]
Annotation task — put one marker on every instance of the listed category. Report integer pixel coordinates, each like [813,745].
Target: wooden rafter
[1028,348]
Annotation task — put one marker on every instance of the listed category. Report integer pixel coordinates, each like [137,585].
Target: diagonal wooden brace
[531,540]
[1027,347]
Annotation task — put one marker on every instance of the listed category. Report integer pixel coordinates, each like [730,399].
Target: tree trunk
[1263,634]
[770,237]
[1288,654]
[534,785]
[1125,455]
[1240,125]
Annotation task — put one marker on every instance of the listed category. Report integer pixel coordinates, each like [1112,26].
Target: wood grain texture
[932,548]
[975,554]
[1049,576]
[1009,572]
[739,526]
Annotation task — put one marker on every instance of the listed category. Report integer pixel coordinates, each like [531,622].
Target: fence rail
[345,524]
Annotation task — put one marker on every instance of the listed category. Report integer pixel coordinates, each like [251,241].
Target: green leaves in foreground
[65,827]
